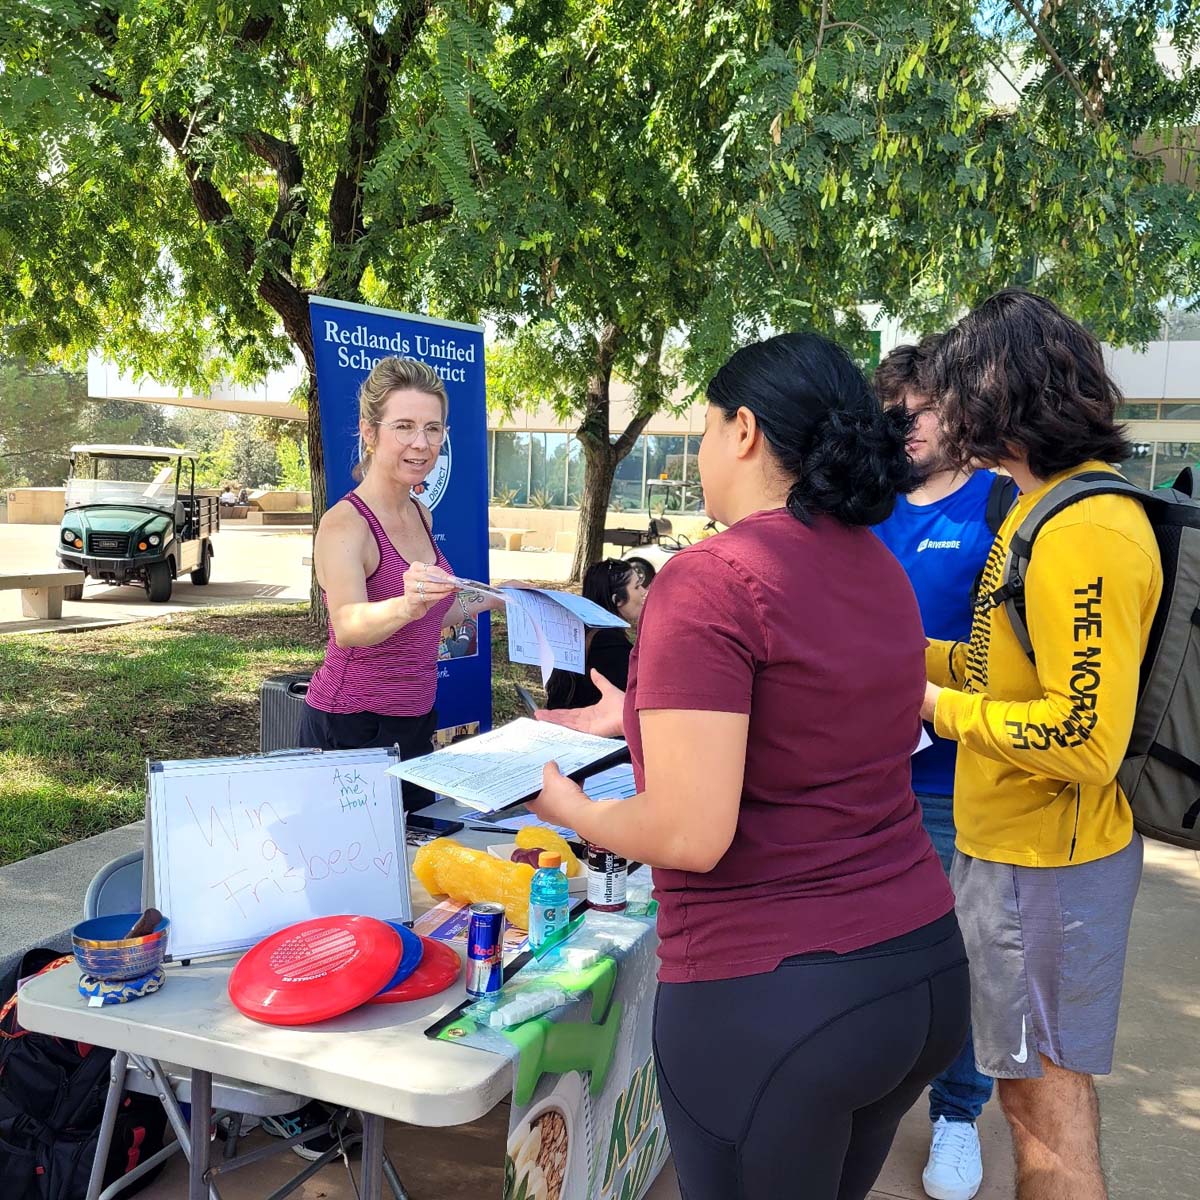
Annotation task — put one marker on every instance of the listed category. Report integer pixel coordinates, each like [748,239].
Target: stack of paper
[546,628]
[503,767]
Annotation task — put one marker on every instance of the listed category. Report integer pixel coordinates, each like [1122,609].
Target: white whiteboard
[237,848]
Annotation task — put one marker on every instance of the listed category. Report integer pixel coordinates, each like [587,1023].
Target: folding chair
[116,888]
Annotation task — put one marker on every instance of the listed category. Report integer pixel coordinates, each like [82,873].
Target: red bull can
[485,950]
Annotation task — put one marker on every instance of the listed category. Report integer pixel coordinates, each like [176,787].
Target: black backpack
[1160,775]
[52,1094]
[1002,495]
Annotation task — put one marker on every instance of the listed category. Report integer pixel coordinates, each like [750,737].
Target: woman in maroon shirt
[813,978]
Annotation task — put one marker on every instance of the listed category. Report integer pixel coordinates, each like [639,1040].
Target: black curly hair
[844,453]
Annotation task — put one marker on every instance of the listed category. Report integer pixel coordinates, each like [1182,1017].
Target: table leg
[116,1089]
[372,1158]
[201,1101]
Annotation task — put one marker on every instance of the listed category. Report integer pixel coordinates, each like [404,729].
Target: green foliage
[632,187]
[882,152]
[41,415]
[293,465]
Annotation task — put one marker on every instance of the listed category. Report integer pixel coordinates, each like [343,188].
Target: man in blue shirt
[941,535]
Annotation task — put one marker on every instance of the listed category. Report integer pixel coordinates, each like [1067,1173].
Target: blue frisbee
[410,958]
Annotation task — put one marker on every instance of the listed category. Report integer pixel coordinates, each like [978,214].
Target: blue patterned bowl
[104,952]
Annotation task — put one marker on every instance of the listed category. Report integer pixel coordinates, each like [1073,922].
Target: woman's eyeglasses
[407,432]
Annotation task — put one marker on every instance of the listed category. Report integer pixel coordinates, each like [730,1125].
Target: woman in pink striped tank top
[384,580]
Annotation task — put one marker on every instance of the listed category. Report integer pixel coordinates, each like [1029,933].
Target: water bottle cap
[550,858]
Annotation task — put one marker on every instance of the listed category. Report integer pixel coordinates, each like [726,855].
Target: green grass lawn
[80,713]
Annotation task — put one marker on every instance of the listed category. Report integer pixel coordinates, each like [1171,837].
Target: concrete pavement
[1150,1104]
[250,564]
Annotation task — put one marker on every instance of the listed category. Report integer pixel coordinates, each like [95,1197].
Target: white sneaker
[955,1167]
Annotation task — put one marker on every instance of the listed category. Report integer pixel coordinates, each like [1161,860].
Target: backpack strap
[1016,563]
[17,1032]
[1002,495]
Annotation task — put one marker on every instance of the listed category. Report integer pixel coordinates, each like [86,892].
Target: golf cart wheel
[202,574]
[73,591]
[158,582]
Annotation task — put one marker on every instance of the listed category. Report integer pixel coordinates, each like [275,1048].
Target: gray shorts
[1047,952]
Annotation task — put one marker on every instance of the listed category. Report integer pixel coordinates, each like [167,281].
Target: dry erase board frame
[208,773]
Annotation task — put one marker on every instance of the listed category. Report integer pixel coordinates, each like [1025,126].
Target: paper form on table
[499,768]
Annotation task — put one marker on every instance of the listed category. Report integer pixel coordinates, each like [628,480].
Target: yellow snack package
[446,868]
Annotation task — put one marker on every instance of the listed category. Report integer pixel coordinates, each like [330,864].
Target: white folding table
[375,1059]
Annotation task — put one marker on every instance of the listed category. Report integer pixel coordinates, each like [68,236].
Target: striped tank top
[397,677]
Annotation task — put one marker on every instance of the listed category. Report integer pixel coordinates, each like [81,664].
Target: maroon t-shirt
[815,633]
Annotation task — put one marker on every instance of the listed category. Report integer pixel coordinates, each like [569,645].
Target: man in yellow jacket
[1048,863]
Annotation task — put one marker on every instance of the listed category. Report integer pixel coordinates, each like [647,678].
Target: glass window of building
[575,470]
[1169,458]
[1139,468]
[510,482]
[1156,464]
[1181,412]
[548,470]
[627,489]
[664,457]
[693,500]
[1137,412]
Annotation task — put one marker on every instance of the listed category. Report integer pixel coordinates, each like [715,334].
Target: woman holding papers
[384,581]
[620,588]
[813,978]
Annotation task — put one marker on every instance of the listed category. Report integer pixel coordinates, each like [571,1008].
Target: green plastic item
[558,1047]
[600,979]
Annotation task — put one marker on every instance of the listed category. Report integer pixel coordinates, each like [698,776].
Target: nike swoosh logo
[1023,1054]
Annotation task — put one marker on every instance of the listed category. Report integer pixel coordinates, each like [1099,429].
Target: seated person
[227,496]
[619,587]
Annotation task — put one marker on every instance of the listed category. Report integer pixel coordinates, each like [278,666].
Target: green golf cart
[133,516]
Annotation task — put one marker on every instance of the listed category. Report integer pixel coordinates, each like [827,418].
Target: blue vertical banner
[348,340]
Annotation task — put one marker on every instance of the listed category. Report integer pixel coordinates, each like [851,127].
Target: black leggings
[790,1085]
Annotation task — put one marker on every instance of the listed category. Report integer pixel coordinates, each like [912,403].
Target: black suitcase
[281,701]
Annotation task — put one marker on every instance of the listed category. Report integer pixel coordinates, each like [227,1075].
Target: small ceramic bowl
[103,950]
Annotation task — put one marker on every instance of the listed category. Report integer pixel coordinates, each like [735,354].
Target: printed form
[502,767]
[547,628]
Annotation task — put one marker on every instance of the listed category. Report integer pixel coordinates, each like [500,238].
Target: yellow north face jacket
[1039,747]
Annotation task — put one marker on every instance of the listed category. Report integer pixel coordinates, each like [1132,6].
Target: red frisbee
[438,969]
[315,970]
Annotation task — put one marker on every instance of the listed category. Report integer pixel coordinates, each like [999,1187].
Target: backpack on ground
[52,1094]
[1160,775]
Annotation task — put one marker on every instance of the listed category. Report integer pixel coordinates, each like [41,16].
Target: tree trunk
[599,457]
[301,334]
[316,472]
[600,464]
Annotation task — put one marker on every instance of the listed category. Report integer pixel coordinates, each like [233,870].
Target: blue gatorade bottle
[549,903]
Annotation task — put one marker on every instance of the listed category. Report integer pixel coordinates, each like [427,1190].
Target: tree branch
[291,209]
[384,54]
[1092,115]
[593,428]
[255,30]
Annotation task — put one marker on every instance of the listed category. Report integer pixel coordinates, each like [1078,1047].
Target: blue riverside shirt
[942,548]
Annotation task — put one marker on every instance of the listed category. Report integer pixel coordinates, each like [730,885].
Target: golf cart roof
[135,451]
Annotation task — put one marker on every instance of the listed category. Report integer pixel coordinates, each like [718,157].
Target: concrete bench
[510,539]
[42,591]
